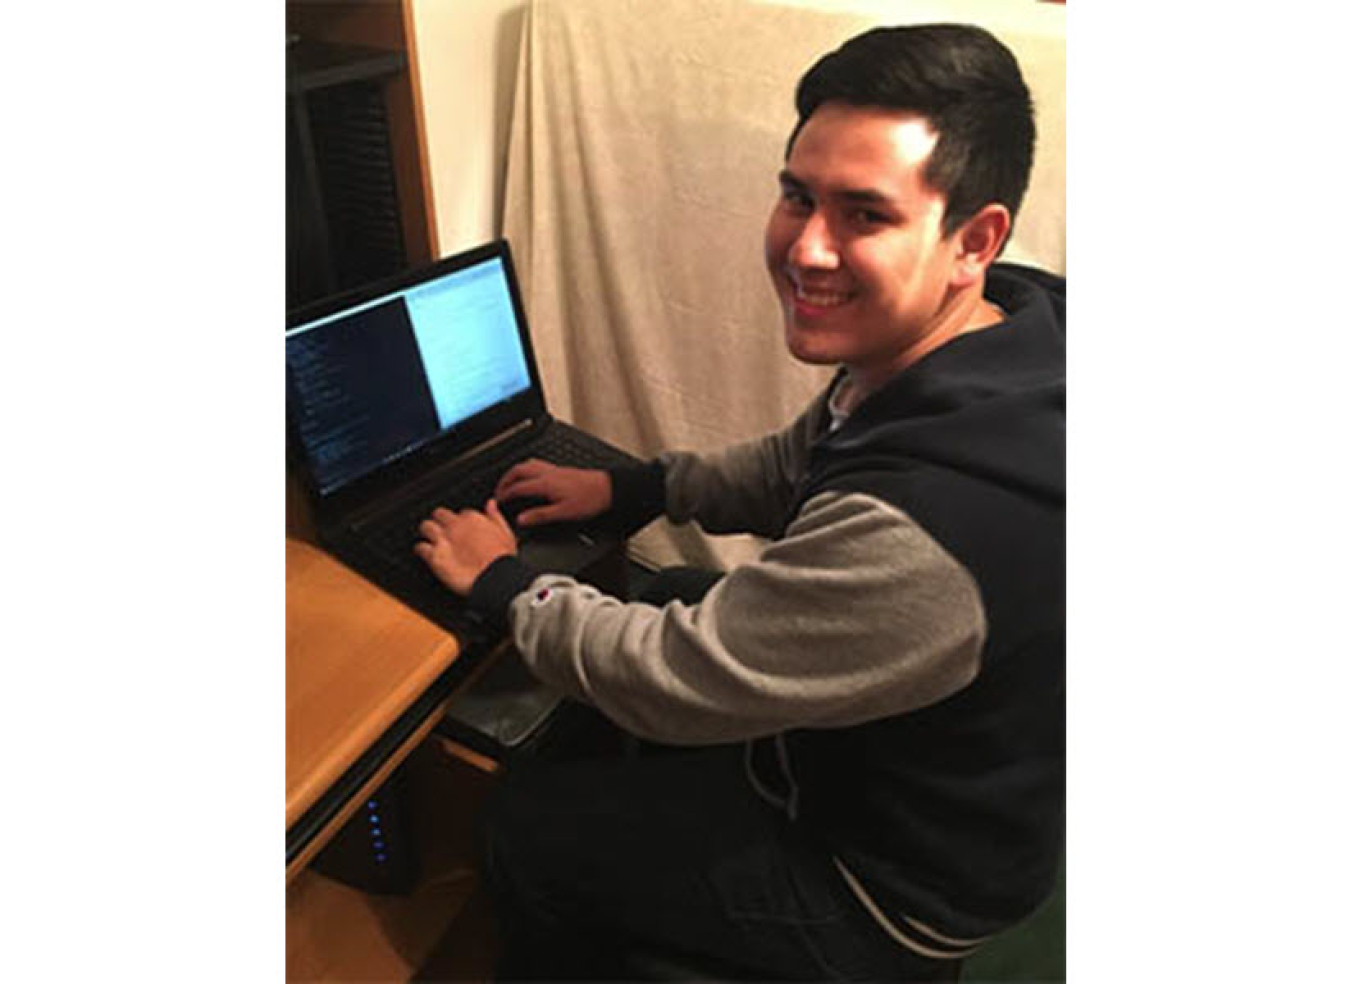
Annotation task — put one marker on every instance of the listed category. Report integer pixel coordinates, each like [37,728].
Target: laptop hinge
[437,475]
[492,442]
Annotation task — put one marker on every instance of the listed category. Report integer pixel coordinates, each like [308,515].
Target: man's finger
[537,486]
[540,514]
[523,472]
[494,513]
[432,530]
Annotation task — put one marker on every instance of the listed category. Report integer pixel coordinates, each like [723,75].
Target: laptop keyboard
[393,538]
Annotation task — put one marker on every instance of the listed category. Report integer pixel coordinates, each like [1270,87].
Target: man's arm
[747,488]
[856,613]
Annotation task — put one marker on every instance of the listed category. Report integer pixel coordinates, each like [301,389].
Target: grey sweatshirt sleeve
[746,488]
[856,613]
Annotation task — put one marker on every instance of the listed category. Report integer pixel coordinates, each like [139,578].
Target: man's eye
[797,200]
[868,217]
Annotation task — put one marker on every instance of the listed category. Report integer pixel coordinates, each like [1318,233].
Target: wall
[990,13]
[466,54]
[467,51]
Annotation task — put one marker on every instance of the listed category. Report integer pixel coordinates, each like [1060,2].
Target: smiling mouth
[817,300]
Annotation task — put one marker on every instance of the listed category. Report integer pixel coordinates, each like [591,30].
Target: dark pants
[667,865]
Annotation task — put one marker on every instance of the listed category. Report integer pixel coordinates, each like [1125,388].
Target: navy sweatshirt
[895,658]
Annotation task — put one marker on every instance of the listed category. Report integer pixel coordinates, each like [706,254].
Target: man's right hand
[571,493]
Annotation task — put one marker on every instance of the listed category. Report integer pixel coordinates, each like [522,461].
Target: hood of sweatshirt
[989,404]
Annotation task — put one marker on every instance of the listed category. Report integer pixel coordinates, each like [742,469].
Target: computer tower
[375,851]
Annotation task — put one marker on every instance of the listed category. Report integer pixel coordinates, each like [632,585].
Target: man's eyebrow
[859,196]
[866,196]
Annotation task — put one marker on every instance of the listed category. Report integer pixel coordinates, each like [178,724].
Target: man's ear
[978,242]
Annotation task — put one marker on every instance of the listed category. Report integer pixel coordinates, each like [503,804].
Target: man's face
[855,245]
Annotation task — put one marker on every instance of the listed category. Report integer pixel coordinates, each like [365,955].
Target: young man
[871,713]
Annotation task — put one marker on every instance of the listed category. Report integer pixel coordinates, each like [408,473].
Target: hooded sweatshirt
[894,659]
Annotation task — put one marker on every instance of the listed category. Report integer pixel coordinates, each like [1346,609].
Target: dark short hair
[960,78]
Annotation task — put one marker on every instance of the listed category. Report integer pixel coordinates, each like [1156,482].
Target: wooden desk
[358,664]
[356,661]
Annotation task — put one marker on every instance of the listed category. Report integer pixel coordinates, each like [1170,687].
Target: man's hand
[571,493]
[459,546]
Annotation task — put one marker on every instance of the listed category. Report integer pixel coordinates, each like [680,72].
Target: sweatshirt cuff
[639,496]
[498,585]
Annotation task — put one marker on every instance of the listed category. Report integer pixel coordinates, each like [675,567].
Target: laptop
[420,391]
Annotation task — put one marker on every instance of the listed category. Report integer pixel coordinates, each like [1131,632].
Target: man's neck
[965,313]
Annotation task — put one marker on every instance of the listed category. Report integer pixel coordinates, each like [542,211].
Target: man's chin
[808,348]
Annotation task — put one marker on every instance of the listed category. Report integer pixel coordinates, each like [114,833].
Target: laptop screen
[374,382]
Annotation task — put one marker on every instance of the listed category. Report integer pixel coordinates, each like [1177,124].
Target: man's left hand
[459,546]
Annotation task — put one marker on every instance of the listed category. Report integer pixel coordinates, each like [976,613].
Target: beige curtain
[646,139]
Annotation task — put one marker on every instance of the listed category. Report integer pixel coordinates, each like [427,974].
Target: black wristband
[498,585]
[639,496]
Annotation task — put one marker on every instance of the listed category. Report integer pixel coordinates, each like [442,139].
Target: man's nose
[814,246]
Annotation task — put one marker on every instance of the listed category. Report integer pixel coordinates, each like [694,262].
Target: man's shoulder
[1019,288]
[1046,279]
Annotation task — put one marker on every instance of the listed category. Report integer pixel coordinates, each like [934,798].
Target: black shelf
[343,224]
[317,65]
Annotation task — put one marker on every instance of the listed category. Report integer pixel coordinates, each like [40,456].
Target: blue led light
[374,818]
[380,858]
[379,845]
[375,832]
[372,805]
